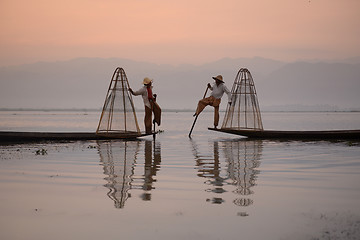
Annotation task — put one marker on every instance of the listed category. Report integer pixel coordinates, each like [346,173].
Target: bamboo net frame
[244,112]
[118,117]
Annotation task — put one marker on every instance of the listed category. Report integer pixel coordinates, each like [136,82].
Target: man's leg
[157,113]
[202,104]
[216,105]
[216,116]
[147,120]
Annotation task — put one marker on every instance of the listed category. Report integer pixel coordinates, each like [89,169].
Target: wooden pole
[154,133]
[192,127]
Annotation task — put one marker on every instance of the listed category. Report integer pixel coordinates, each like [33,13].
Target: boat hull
[273,134]
[8,136]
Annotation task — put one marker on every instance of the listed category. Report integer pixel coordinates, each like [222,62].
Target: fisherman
[218,89]
[149,103]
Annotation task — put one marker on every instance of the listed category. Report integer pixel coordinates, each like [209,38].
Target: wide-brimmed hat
[219,78]
[147,81]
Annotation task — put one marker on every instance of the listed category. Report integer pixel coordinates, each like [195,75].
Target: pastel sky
[176,32]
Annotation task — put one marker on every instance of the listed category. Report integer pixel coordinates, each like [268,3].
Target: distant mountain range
[83,82]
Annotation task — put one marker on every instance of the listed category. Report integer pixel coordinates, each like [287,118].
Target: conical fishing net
[244,112]
[118,117]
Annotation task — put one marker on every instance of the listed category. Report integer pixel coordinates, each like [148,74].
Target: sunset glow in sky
[175,32]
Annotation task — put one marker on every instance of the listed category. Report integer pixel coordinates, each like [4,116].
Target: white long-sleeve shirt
[218,91]
[143,92]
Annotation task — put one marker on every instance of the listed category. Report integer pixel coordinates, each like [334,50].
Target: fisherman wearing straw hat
[218,89]
[150,104]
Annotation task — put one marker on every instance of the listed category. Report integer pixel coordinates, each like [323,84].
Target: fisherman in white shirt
[218,89]
[150,104]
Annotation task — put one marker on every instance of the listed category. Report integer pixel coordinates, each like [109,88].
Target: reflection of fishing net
[118,160]
[243,160]
[118,116]
[244,112]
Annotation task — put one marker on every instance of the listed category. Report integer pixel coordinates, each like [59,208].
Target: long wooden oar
[197,115]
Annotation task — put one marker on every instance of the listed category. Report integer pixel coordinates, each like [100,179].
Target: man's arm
[138,92]
[228,93]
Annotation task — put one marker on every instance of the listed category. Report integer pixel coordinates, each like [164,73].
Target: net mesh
[118,116]
[244,112]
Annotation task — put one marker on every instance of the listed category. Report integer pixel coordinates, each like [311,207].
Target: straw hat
[147,81]
[219,78]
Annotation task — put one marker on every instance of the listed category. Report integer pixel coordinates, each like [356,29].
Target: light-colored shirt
[143,92]
[218,91]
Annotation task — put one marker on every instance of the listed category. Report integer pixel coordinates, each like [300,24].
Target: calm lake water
[213,186]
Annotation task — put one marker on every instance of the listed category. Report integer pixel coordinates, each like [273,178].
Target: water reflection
[209,167]
[241,160]
[120,159]
[152,165]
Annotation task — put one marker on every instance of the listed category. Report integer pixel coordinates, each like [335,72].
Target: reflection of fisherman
[151,167]
[214,100]
[211,170]
[150,104]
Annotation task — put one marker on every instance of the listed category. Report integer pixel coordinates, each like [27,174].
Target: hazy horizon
[352,60]
[82,83]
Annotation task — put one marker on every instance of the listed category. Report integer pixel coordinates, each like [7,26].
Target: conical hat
[147,81]
[219,78]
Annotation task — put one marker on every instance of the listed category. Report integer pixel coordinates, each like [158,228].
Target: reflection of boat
[9,136]
[266,134]
[243,116]
[118,160]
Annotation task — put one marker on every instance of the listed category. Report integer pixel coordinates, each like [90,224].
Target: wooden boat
[275,134]
[8,136]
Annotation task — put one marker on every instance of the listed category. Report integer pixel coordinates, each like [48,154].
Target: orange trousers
[148,116]
[212,102]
